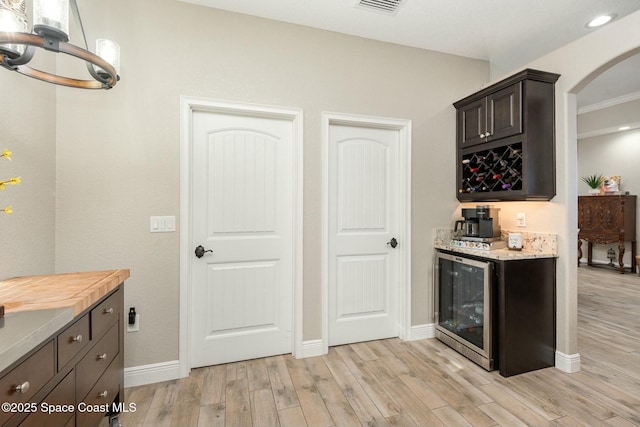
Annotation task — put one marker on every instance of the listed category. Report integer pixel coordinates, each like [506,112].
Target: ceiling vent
[388,7]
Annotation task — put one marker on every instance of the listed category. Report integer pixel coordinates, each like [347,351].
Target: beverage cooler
[465,307]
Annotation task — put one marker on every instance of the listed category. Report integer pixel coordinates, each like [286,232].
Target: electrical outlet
[521,219]
[136,326]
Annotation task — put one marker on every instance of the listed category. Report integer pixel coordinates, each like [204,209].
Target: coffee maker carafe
[480,223]
[470,226]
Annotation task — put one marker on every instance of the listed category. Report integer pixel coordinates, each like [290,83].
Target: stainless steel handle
[101,356]
[108,310]
[103,394]
[22,388]
[77,338]
[436,293]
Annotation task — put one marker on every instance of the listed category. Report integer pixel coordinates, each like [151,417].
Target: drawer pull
[22,388]
[102,356]
[103,394]
[76,338]
[108,310]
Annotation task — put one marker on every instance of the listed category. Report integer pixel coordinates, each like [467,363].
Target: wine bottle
[466,161]
[506,186]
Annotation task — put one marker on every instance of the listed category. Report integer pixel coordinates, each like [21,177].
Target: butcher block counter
[61,340]
[77,291]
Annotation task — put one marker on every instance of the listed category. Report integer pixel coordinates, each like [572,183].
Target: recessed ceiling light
[624,128]
[600,20]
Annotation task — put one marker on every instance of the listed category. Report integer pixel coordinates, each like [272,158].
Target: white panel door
[363,217]
[242,212]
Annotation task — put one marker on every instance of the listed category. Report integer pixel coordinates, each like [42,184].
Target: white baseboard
[569,363]
[421,332]
[150,374]
[312,348]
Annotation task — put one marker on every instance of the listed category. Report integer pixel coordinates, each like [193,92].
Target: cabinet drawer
[73,340]
[106,314]
[100,397]
[93,365]
[31,375]
[63,394]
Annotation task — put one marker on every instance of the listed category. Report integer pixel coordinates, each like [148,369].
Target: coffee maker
[480,224]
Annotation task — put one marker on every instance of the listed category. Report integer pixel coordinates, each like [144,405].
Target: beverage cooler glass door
[463,311]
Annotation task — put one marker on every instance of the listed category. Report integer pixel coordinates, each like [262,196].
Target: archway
[578,63]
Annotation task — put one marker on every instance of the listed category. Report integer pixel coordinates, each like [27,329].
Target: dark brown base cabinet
[506,140]
[526,315]
[73,374]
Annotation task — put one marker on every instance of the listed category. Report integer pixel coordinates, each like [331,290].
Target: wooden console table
[607,219]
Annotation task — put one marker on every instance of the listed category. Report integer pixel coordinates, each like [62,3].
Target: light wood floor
[420,383]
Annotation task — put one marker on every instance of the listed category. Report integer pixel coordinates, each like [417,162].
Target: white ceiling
[507,33]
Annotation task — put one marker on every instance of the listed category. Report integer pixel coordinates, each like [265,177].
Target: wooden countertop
[71,290]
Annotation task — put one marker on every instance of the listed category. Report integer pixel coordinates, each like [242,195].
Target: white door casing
[366,200]
[243,202]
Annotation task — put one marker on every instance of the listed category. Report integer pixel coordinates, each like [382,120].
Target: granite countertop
[499,254]
[36,307]
[535,245]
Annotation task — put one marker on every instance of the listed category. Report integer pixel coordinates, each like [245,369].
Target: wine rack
[506,140]
[493,170]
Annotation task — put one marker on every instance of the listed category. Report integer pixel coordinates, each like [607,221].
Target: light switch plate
[521,219]
[162,224]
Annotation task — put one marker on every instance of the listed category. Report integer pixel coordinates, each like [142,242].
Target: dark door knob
[200,251]
[393,242]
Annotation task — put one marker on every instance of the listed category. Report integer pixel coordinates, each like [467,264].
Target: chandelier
[51,32]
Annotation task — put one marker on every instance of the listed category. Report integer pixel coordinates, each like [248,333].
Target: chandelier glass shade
[51,33]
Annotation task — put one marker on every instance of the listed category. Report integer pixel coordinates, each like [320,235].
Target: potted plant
[594,182]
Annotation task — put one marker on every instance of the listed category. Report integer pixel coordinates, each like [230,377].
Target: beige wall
[611,154]
[578,63]
[28,117]
[118,152]
[609,119]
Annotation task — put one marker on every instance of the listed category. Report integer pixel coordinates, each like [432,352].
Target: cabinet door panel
[72,341]
[95,363]
[472,123]
[504,116]
[62,398]
[37,370]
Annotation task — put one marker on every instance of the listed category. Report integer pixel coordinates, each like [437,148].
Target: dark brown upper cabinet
[492,117]
[506,140]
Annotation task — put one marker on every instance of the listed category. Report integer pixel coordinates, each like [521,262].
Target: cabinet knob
[482,135]
[103,394]
[22,388]
[76,339]
[101,356]
[108,310]
[488,134]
